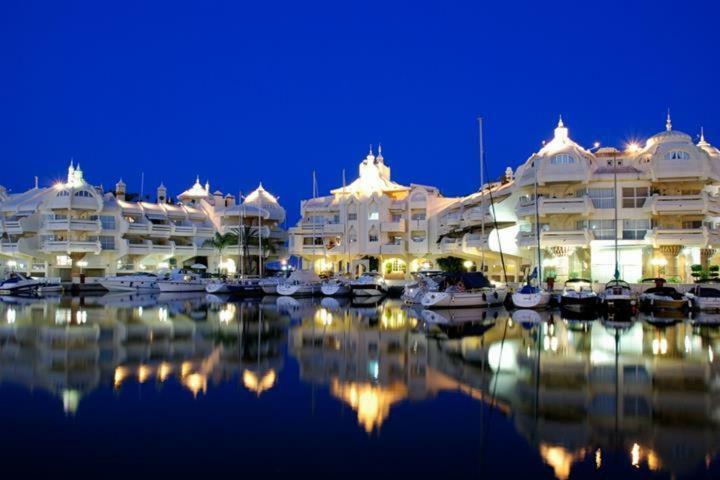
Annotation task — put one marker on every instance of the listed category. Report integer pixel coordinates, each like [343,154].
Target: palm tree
[221,241]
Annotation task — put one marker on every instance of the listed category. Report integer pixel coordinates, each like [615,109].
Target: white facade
[73,227]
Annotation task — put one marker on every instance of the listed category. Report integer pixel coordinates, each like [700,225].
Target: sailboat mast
[537,224]
[482,191]
[260,255]
[615,193]
[239,234]
[345,239]
[242,233]
[314,221]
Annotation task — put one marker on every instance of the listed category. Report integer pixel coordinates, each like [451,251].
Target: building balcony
[555,238]
[679,236]
[139,248]
[393,248]
[138,227]
[8,248]
[418,225]
[71,246]
[448,245]
[478,215]
[75,225]
[202,231]
[556,206]
[185,250]
[183,230]
[417,246]
[569,238]
[398,205]
[701,204]
[451,219]
[475,240]
[161,249]
[160,230]
[393,226]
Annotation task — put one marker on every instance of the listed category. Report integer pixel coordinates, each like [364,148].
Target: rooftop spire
[560,122]
[668,122]
[371,151]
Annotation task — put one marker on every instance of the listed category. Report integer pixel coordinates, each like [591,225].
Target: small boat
[335,287]
[369,284]
[661,297]
[19,284]
[531,297]
[181,281]
[49,285]
[130,283]
[301,283]
[618,298]
[424,282]
[471,289]
[234,287]
[461,315]
[704,298]
[578,296]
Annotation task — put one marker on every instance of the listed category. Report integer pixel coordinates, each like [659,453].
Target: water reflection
[588,395]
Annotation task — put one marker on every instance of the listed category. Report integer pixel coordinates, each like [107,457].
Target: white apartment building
[74,227]
[666,193]
[372,223]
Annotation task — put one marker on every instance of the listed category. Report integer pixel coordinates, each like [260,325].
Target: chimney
[161,193]
[120,190]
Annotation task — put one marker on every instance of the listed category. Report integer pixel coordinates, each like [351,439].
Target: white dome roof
[261,198]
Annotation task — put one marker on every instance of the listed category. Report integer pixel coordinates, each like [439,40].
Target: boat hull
[538,300]
[463,299]
[172,286]
[335,290]
[653,304]
[303,290]
[579,304]
[367,291]
[118,285]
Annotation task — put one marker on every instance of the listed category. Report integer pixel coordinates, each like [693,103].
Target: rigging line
[495,224]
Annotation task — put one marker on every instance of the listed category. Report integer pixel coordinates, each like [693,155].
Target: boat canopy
[471,280]
[307,276]
[577,280]
[707,292]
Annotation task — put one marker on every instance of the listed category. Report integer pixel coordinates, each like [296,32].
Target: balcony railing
[554,238]
[680,236]
[450,245]
[553,206]
[393,226]
[8,247]
[393,248]
[72,246]
[475,240]
[701,203]
[74,225]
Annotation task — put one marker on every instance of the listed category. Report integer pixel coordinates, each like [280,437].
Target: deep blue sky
[248,91]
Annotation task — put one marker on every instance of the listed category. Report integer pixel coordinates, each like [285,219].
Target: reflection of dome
[261,198]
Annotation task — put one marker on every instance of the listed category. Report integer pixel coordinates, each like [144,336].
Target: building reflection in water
[588,396]
[73,345]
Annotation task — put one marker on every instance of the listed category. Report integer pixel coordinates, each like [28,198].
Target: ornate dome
[261,198]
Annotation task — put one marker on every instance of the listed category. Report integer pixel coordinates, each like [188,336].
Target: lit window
[602,197]
[677,155]
[635,229]
[83,193]
[634,197]
[373,213]
[562,159]
[64,193]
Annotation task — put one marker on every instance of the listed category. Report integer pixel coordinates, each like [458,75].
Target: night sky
[240,92]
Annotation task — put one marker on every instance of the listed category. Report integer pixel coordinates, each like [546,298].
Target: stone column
[705,255]
[671,252]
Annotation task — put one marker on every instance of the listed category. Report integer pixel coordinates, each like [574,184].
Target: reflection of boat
[130,283]
[337,287]
[460,315]
[457,330]
[662,317]
[578,296]
[334,303]
[120,299]
[704,298]
[369,284]
[296,308]
[19,284]
[706,318]
[661,297]
[471,290]
[174,297]
[581,316]
[528,316]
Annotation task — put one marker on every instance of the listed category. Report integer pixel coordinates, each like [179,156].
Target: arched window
[373,235]
[352,235]
[64,193]
[83,193]
[373,211]
[677,155]
[562,159]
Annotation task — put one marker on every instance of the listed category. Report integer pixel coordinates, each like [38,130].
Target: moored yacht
[531,297]
[130,283]
[469,290]
[369,284]
[336,287]
[661,297]
[245,287]
[17,284]
[618,297]
[301,283]
[704,298]
[578,296]
[424,282]
[269,284]
[180,281]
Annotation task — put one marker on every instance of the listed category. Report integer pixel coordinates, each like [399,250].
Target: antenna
[142,185]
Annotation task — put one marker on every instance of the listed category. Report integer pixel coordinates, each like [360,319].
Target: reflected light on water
[259,384]
[372,403]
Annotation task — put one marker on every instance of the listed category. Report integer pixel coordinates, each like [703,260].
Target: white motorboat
[661,297]
[18,284]
[369,284]
[704,298]
[130,283]
[578,296]
[531,297]
[50,285]
[180,281]
[301,283]
[618,297]
[471,290]
[425,282]
[335,287]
